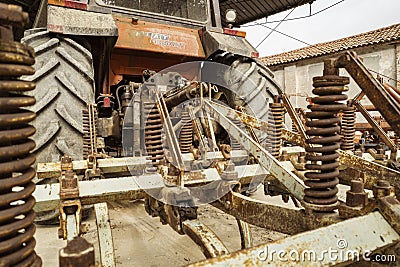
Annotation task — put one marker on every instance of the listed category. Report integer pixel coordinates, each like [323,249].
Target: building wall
[296,78]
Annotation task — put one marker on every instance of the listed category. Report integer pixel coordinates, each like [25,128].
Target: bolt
[357,186]
[356,197]
[302,157]
[382,189]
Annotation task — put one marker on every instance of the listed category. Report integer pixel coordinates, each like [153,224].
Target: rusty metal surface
[277,218]
[70,205]
[356,196]
[376,93]
[78,252]
[16,214]
[265,159]
[294,116]
[275,126]
[107,166]
[348,129]
[376,127]
[351,235]
[390,209]
[371,172]
[322,175]
[209,243]
[159,38]
[246,239]
[126,188]
[13,15]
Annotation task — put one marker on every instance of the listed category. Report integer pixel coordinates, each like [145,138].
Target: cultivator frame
[366,222]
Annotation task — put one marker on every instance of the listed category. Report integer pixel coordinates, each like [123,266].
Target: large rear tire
[64,86]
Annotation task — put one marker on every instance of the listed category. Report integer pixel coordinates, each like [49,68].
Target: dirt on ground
[141,240]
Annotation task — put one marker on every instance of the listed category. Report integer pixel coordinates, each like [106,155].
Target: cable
[294,38]
[290,19]
[265,38]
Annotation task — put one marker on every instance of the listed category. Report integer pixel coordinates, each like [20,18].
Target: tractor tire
[251,85]
[64,86]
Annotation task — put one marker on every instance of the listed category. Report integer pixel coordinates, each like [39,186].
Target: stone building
[379,49]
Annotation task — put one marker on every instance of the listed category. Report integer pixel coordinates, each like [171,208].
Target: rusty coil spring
[186,133]
[294,128]
[275,126]
[235,145]
[325,140]
[16,187]
[89,132]
[152,135]
[348,129]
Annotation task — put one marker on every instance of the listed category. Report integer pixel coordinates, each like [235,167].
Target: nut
[356,196]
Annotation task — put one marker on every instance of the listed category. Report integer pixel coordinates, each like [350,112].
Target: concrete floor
[141,240]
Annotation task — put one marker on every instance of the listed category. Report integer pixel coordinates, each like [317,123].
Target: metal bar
[246,240]
[294,116]
[90,192]
[294,184]
[127,188]
[71,227]
[108,165]
[78,252]
[378,129]
[371,171]
[255,123]
[205,238]
[277,218]
[106,244]
[347,241]
[387,106]
[172,140]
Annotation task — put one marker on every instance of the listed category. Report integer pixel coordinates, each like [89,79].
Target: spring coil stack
[323,129]
[89,121]
[186,133]
[348,128]
[17,243]
[152,135]
[275,126]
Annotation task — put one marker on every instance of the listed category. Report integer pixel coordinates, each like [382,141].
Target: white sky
[345,19]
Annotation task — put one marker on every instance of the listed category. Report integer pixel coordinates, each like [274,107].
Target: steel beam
[382,100]
[106,244]
[335,244]
[126,188]
[294,184]
[274,217]
[369,171]
[205,238]
[107,165]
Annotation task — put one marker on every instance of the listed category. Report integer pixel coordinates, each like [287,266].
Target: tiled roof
[382,35]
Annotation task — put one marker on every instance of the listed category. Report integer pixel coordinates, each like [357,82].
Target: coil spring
[186,134]
[275,126]
[348,129]
[294,128]
[152,134]
[325,140]
[89,136]
[235,145]
[17,243]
